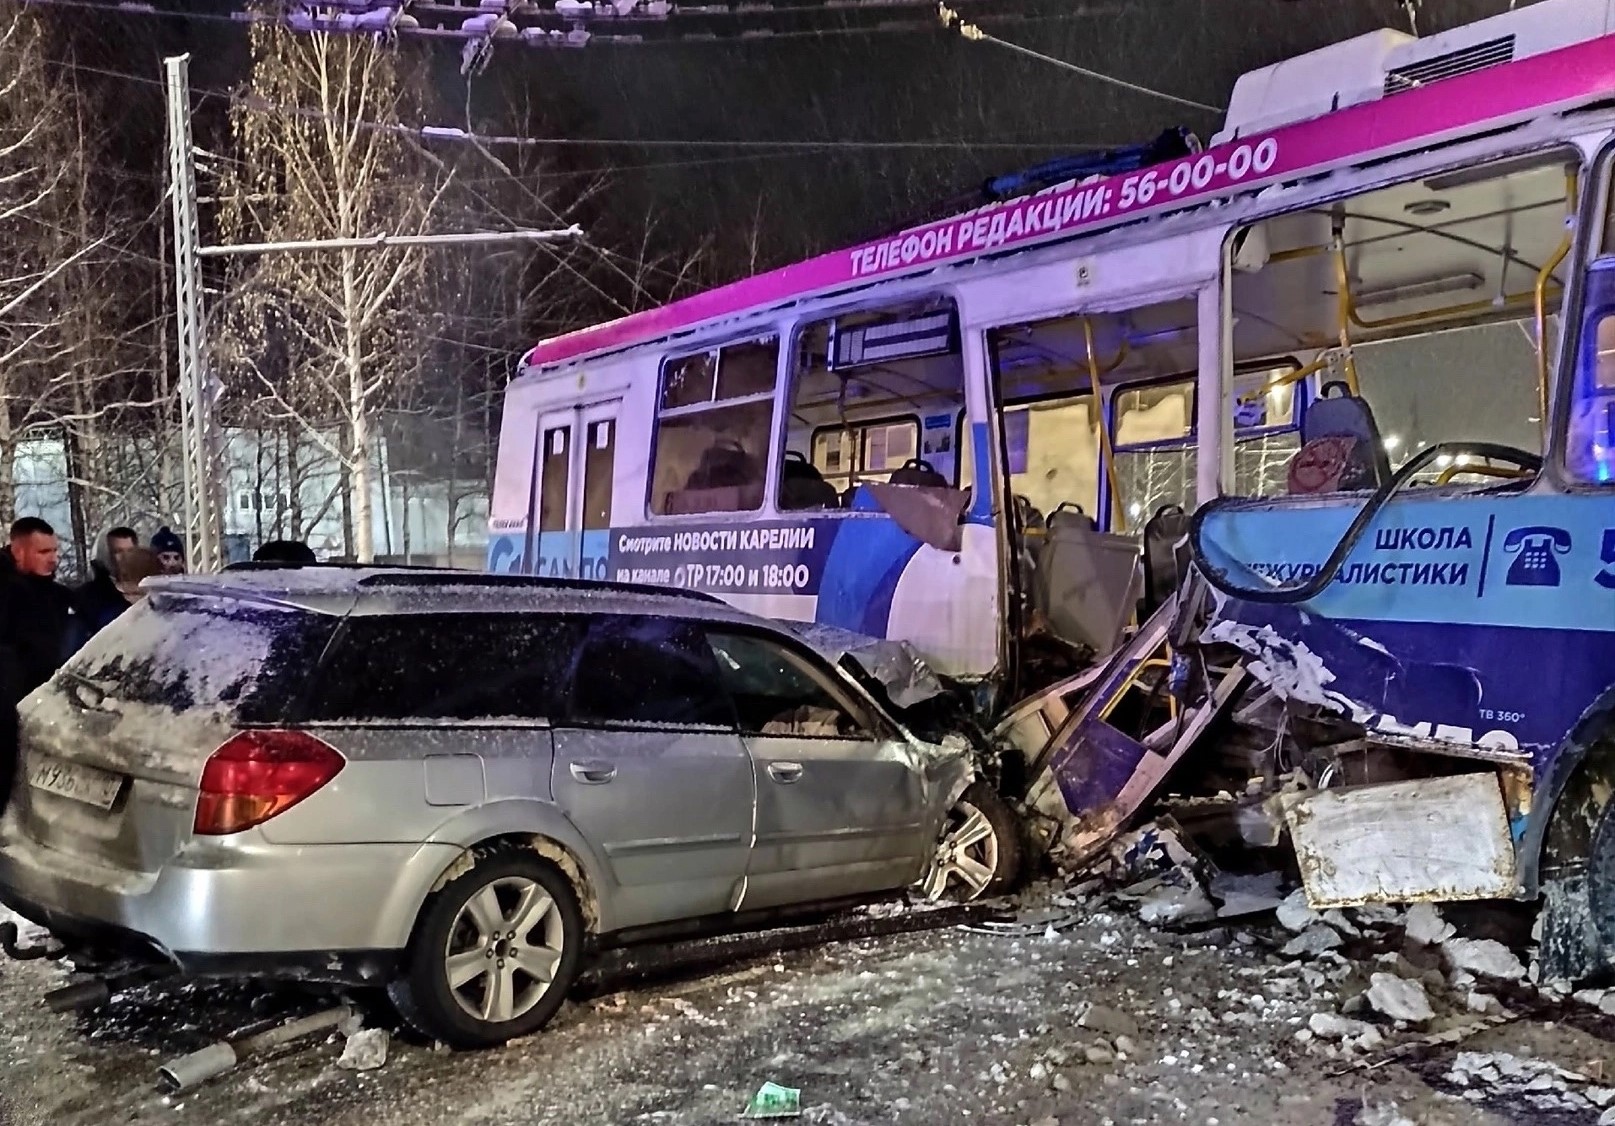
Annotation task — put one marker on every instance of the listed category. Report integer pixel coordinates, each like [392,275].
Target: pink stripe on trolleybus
[1452,107]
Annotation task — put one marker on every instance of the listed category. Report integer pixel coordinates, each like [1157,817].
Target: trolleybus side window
[862,385]
[713,428]
[1421,298]
[1590,442]
[1156,450]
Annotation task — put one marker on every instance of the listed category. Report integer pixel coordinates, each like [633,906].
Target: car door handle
[593,773]
[785,772]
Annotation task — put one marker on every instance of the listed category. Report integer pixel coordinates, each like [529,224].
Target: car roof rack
[442,576]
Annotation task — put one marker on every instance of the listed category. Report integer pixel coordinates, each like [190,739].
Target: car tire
[464,981]
[979,854]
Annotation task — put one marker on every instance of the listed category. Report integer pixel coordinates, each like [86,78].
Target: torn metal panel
[1033,722]
[1427,839]
[1094,777]
[930,515]
[1103,811]
[1427,705]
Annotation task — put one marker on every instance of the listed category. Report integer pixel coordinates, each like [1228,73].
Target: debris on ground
[775,1101]
[366,1050]
[1294,914]
[1426,926]
[1316,939]
[1484,956]
[1399,998]
[1542,1085]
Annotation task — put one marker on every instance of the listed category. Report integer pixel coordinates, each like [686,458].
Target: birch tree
[41,175]
[325,336]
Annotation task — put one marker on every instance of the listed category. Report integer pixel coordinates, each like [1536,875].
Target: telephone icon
[1536,547]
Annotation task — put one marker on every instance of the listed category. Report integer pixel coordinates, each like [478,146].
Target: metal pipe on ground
[220,1057]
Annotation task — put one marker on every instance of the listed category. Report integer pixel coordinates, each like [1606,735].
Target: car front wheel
[979,852]
[494,954]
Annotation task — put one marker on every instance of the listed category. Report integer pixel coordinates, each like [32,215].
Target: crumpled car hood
[895,665]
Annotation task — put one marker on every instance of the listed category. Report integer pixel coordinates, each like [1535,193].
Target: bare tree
[326,336]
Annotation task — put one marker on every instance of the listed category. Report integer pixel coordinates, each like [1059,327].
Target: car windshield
[183,652]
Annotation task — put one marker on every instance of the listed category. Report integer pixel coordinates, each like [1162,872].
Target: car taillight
[256,775]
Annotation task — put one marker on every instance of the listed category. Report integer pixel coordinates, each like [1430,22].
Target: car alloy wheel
[979,851]
[504,948]
[495,951]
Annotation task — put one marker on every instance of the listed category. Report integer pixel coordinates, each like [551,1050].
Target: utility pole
[204,525]
[204,503]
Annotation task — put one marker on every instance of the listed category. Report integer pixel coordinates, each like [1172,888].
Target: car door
[839,799]
[650,768]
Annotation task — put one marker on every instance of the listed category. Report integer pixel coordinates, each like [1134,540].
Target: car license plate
[71,780]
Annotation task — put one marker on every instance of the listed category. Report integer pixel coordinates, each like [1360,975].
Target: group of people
[43,622]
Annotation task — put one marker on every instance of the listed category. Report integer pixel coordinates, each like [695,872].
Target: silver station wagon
[458,785]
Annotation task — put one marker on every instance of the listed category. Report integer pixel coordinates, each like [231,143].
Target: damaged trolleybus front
[1369,331]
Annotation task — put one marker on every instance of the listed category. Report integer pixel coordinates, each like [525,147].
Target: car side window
[634,669]
[778,692]
[444,667]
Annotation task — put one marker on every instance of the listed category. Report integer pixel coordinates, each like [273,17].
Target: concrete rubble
[366,1050]
[1294,914]
[1484,956]
[1539,1084]
[1399,998]
[1426,926]
[1315,940]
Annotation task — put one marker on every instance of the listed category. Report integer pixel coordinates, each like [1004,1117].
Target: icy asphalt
[1095,1019]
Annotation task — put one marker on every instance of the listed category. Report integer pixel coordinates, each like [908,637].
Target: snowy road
[946,1026]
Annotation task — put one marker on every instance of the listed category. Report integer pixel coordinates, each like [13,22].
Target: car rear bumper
[228,908]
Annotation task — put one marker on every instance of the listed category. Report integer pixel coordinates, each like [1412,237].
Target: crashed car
[459,785]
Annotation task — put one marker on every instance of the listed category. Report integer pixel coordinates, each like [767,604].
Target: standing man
[170,550]
[38,622]
[99,598]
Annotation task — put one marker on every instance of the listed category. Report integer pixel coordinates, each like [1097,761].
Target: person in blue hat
[170,551]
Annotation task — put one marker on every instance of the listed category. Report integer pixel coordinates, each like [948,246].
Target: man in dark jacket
[99,599]
[39,624]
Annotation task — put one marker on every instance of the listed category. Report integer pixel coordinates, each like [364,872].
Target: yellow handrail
[1452,471]
[1106,450]
[1344,306]
[1286,379]
[1543,278]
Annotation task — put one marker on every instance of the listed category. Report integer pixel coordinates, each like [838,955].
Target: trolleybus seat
[918,471]
[1087,581]
[727,478]
[1341,448]
[1163,565]
[801,485]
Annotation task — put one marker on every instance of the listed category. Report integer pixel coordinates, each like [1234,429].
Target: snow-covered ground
[1084,1016]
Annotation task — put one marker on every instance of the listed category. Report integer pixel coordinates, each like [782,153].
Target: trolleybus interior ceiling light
[1410,291]
[931,334]
[1425,207]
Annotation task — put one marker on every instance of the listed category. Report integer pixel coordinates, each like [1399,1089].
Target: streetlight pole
[204,505]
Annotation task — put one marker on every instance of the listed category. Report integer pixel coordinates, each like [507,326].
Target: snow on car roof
[340,589]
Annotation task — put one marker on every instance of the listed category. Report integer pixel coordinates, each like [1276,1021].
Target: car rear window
[445,667]
[565,668]
[188,652]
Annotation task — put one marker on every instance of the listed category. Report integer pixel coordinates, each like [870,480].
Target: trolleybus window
[713,428]
[1590,444]
[864,382]
[1421,297]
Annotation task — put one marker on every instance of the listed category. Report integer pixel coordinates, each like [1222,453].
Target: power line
[450,133]
[972,32]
